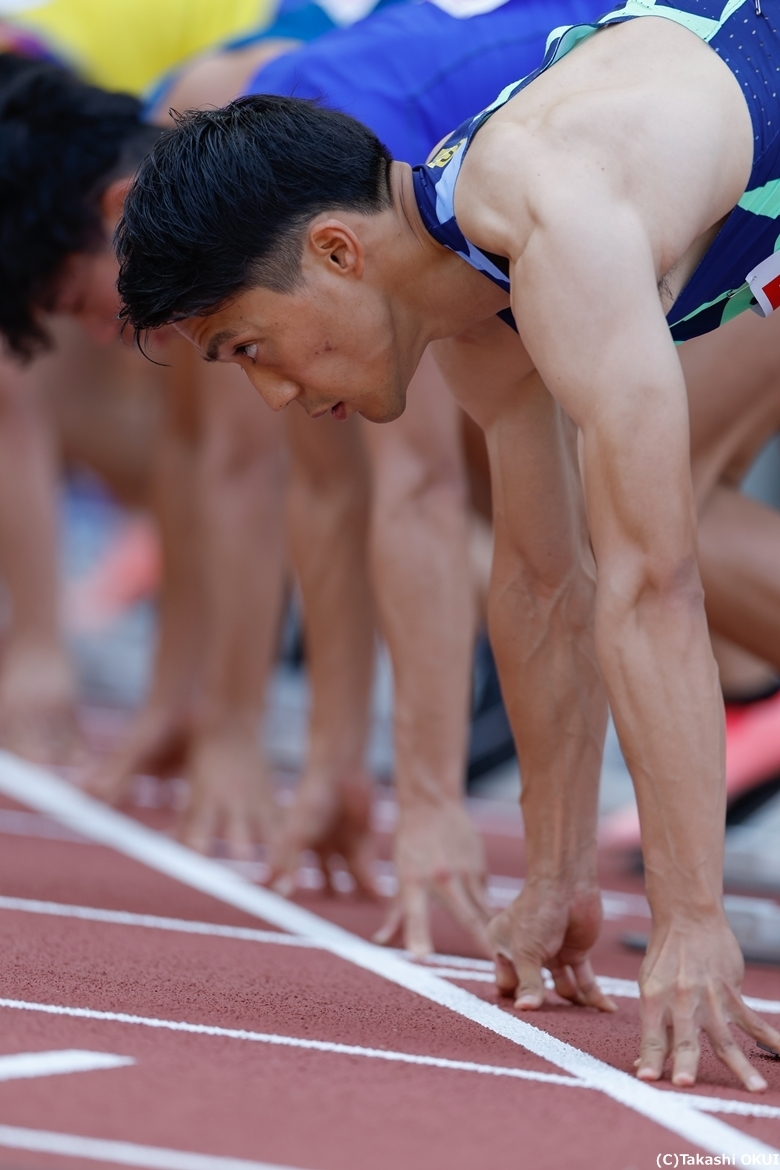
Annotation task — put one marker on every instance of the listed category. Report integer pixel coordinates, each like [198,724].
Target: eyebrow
[217,341]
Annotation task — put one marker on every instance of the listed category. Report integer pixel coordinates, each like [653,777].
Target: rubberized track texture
[160,1010]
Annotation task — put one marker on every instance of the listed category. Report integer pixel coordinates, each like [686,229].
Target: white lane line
[21,1065]
[446,966]
[730,1105]
[152,922]
[497,1070]
[71,1145]
[73,1061]
[619,988]
[39,789]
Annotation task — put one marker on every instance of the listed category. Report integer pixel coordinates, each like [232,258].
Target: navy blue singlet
[745,35]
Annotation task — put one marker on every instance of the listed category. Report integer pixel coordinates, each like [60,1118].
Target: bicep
[590,315]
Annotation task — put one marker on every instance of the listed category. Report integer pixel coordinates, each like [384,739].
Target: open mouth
[339,411]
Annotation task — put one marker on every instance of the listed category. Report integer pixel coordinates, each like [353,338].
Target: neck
[443,293]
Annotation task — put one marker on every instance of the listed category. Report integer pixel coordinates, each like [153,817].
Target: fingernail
[524,1002]
[645,1073]
[756,1084]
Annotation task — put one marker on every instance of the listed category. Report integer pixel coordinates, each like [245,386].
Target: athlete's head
[252,226]
[67,151]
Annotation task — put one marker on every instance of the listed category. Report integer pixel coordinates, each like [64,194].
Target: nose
[275,390]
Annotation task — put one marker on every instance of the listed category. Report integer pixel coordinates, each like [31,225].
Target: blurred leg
[215,479]
[733,379]
[37,685]
[739,554]
[743,676]
[140,427]
[243,554]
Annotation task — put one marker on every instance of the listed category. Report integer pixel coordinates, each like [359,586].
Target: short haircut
[223,200]
[62,143]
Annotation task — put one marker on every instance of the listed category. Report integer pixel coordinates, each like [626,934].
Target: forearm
[28,519]
[423,587]
[328,514]
[243,478]
[426,608]
[552,688]
[666,701]
[174,503]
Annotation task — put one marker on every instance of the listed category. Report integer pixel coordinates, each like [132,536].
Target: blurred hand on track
[690,983]
[230,793]
[230,796]
[438,854]
[38,706]
[546,926]
[333,821]
[156,745]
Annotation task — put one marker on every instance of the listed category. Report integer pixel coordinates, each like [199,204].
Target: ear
[336,245]
[112,201]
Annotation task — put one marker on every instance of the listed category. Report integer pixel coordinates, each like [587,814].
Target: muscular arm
[616,373]
[540,610]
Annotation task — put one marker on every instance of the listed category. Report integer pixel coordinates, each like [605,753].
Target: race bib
[764,283]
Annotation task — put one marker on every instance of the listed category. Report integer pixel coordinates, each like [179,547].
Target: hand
[156,745]
[690,983]
[330,820]
[230,794]
[438,853]
[38,705]
[547,926]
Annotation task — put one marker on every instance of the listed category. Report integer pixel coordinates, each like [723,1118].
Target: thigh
[733,382]
[539,516]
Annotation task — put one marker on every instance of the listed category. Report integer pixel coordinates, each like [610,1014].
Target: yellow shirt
[129,44]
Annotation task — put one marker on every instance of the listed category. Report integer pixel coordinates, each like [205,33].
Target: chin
[384,408]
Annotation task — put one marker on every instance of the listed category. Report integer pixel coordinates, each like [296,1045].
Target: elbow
[670,584]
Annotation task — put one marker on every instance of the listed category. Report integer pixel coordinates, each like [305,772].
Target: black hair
[221,203]
[62,143]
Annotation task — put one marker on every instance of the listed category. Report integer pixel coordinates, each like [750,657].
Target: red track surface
[295,1107]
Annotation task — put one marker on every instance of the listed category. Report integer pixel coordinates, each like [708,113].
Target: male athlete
[419,66]
[618,199]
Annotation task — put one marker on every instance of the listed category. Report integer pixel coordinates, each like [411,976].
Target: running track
[159,1009]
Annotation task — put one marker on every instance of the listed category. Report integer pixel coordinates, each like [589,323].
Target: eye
[249,351]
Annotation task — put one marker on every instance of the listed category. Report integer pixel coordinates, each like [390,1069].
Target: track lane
[415,978]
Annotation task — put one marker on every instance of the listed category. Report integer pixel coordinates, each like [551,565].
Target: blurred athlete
[139,48]
[616,200]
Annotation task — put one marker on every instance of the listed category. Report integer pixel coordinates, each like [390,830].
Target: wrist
[570,864]
[679,905]
[418,788]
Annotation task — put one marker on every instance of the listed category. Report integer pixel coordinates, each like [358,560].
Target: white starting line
[70,1145]
[453,967]
[24,1065]
[37,788]
[706,1104]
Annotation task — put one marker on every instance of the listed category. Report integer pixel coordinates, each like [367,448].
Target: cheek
[104,298]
